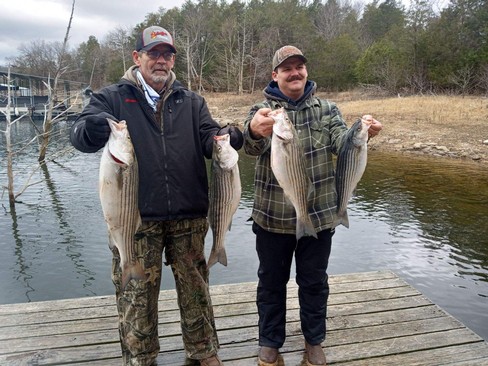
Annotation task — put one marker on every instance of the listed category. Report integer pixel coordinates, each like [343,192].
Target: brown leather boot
[268,356]
[314,355]
[211,361]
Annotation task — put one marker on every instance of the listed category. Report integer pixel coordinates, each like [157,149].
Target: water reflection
[446,200]
[423,218]
[23,276]
[69,236]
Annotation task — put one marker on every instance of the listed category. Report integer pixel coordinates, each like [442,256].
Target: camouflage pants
[183,244]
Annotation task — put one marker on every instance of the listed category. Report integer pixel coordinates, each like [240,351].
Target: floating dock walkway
[374,318]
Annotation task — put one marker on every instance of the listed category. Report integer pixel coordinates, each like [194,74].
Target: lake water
[423,218]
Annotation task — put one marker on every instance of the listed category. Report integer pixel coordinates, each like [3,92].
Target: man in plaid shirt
[321,130]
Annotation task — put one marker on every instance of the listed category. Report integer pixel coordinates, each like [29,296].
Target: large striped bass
[118,188]
[224,195]
[288,166]
[351,163]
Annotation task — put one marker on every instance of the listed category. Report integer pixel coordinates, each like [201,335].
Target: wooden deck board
[373,318]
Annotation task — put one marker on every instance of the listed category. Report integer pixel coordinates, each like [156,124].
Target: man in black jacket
[172,133]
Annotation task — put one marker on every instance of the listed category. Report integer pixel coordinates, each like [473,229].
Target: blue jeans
[275,253]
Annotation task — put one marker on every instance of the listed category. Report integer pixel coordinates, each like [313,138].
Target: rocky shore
[460,150]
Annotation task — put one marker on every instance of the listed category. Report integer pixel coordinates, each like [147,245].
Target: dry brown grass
[458,123]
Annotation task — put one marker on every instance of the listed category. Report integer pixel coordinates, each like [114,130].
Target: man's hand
[374,126]
[261,125]
[236,138]
[97,130]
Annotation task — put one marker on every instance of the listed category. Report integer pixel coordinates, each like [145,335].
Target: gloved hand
[236,138]
[97,130]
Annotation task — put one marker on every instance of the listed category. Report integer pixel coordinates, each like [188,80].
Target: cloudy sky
[23,21]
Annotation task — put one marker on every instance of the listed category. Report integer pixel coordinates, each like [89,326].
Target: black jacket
[170,151]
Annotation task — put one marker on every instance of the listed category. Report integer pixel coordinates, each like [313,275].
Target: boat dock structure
[29,95]
[374,318]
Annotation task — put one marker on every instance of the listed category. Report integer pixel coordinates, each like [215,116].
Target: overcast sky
[23,21]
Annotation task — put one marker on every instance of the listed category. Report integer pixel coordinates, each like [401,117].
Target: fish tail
[342,219]
[305,228]
[132,271]
[217,256]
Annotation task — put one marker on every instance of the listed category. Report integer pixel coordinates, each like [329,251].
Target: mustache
[160,68]
[295,77]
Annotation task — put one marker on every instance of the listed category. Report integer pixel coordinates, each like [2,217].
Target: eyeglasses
[154,55]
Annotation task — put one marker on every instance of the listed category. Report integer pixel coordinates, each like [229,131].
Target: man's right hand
[97,130]
[261,124]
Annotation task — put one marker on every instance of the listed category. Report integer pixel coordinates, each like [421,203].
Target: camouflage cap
[153,36]
[285,53]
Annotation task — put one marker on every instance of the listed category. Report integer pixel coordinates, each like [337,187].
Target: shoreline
[448,127]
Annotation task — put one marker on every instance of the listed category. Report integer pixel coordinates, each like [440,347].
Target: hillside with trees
[228,46]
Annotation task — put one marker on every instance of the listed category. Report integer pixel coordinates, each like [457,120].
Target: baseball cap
[153,36]
[285,53]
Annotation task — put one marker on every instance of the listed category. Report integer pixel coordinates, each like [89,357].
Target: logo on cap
[154,34]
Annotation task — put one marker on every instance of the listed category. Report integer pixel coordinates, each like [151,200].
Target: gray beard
[159,79]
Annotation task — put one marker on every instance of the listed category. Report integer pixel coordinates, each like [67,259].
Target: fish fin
[220,256]
[311,189]
[132,271]
[138,223]
[111,240]
[345,220]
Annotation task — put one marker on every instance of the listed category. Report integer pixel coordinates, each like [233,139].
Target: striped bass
[288,166]
[118,188]
[351,163]
[224,195]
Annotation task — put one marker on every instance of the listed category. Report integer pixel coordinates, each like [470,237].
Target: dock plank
[373,318]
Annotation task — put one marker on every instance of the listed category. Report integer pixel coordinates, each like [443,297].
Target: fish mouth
[220,137]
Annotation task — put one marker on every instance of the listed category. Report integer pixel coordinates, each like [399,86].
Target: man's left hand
[236,138]
[374,126]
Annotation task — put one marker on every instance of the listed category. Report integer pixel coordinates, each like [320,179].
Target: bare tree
[47,125]
[119,40]
[483,79]
[235,38]
[37,57]
[52,89]
[195,44]
[242,53]
[228,44]
[329,20]
[10,175]
[463,79]
[10,149]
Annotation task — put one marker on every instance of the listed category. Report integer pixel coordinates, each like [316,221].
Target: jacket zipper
[163,142]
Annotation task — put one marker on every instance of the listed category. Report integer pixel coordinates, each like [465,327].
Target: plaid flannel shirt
[321,130]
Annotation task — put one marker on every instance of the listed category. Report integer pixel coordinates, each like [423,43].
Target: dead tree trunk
[47,127]
[10,173]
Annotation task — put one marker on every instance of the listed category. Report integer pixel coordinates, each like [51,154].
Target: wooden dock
[374,318]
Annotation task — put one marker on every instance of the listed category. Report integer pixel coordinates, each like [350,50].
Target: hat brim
[154,44]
